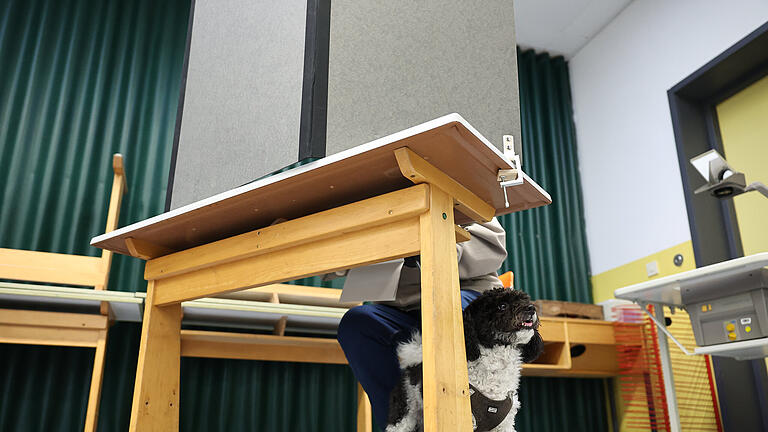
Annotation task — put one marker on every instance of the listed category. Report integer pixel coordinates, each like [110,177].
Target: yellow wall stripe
[605,283]
[696,408]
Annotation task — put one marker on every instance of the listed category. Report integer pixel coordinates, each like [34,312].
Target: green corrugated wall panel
[561,404]
[547,246]
[266,396]
[43,388]
[81,79]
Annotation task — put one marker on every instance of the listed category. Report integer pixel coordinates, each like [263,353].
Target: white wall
[633,194]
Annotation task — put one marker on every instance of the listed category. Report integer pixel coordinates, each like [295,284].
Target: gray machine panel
[727,311]
[395,64]
[730,319]
[242,102]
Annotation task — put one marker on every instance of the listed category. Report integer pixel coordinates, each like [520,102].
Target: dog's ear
[533,349]
[471,344]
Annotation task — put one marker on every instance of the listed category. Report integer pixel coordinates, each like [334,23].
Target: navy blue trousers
[369,335]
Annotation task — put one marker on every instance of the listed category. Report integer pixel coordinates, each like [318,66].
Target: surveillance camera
[722,180]
[725,191]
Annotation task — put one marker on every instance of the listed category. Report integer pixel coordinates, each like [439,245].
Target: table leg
[446,390]
[156,393]
[666,370]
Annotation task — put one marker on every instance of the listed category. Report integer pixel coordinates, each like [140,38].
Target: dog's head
[502,317]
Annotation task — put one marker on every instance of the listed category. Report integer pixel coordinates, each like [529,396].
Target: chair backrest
[119,188]
[508,279]
[57,268]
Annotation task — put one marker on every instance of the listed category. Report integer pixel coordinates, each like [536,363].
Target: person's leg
[369,335]
[467,297]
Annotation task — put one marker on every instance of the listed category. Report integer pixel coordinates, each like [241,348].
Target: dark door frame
[742,385]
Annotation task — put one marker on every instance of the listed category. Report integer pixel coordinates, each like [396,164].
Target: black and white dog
[501,333]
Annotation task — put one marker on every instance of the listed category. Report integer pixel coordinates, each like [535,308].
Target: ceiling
[562,27]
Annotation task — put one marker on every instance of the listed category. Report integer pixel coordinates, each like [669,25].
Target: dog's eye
[502,307]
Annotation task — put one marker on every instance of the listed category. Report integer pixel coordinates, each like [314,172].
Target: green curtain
[79,81]
[82,79]
[547,246]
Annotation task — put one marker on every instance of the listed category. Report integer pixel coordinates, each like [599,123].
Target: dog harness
[488,413]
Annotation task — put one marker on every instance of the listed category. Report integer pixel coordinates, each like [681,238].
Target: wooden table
[351,209]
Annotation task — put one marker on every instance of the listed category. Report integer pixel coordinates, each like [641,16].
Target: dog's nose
[531,309]
[529,319]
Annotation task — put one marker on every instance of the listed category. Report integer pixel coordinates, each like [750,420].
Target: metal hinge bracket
[510,177]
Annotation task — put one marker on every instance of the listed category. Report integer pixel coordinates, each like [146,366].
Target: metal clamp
[510,177]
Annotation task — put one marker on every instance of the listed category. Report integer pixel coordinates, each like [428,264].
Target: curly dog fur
[500,333]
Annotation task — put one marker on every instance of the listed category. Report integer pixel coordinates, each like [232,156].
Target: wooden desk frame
[416,220]
[59,328]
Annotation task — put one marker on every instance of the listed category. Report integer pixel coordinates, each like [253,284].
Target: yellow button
[730,327]
[732,336]
[703,308]
[747,329]
[709,307]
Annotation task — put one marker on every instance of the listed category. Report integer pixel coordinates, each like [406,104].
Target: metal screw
[678,260]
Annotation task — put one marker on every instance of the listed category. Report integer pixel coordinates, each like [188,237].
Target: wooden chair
[62,328]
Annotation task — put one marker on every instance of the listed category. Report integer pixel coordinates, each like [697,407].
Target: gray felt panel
[394,64]
[243,95]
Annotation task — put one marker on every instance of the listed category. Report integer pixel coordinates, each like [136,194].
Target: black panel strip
[314,92]
[705,214]
[179,109]
[674,102]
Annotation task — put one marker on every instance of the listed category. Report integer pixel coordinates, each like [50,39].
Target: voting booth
[398,196]
[357,98]
[270,83]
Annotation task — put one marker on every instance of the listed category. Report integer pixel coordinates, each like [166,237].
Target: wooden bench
[573,347]
[578,348]
[278,308]
[62,328]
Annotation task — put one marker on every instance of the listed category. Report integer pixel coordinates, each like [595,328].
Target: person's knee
[352,323]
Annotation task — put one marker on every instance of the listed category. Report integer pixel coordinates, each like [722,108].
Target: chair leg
[156,393]
[94,395]
[364,414]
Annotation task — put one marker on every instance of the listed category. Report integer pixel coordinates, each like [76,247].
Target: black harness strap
[488,413]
